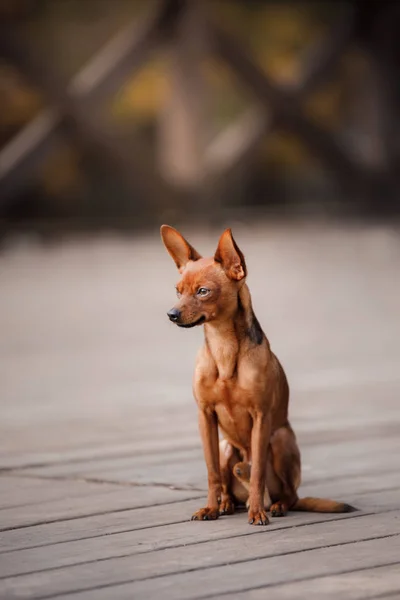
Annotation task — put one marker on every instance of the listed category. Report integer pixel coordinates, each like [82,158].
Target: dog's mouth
[189,325]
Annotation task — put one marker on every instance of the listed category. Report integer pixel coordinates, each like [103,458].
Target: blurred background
[121,115]
[279,119]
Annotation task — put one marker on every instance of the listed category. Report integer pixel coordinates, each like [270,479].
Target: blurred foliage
[67,33]
[328,104]
[61,172]
[282,150]
[19,102]
[228,98]
[276,33]
[140,100]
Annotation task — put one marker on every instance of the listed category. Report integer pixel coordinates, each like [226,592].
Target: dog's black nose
[174,314]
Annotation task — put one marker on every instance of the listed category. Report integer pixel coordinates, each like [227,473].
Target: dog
[240,388]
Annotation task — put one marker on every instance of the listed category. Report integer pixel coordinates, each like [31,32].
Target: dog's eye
[178,293]
[202,291]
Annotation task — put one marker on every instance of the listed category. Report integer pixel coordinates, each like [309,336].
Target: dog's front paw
[206,514]
[258,517]
[226,507]
[279,509]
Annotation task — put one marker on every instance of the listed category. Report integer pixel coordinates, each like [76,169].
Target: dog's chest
[231,406]
[234,419]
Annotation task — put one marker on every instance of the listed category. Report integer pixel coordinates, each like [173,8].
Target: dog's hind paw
[226,507]
[278,509]
[242,472]
[206,514]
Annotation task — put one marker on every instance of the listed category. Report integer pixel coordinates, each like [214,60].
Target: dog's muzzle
[174,315]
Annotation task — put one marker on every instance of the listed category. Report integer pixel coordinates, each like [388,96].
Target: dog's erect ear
[230,257]
[180,250]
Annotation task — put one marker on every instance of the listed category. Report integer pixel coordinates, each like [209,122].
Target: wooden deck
[101,466]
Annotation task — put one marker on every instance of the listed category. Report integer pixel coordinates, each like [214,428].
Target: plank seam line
[97,480]
[155,484]
[298,580]
[90,537]
[253,533]
[207,597]
[263,532]
[266,557]
[35,503]
[94,514]
[96,493]
[356,433]
[71,461]
[349,476]
[195,569]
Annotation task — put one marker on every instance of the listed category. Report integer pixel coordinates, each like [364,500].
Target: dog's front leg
[259,448]
[208,425]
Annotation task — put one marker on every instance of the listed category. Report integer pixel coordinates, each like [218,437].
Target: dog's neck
[224,337]
[223,344]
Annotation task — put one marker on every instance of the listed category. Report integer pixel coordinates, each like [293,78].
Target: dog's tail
[321,505]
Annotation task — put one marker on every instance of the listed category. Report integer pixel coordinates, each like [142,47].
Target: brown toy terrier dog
[240,387]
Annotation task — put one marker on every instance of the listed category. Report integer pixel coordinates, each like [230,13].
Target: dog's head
[208,288]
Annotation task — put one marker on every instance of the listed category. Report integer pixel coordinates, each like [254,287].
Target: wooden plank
[266,544]
[187,469]
[378,582]
[309,551]
[108,385]
[166,444]
[22,491]
[167,435]
[185,537]
[188,474]
[99,525]
[363,492]
[223,580]
[334,460]
[352,486]
[344,406]
[309,410]
[71,508]
[137,466]
[70,455]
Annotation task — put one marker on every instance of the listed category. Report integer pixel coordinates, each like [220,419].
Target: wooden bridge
[101,465]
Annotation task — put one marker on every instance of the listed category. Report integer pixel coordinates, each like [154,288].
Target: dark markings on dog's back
[255,332]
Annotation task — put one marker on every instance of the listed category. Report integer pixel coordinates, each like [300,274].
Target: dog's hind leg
[287,468]
[228,457]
